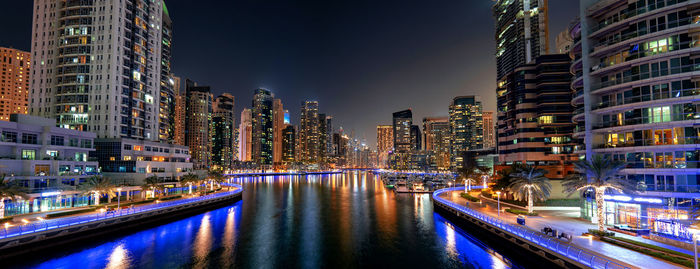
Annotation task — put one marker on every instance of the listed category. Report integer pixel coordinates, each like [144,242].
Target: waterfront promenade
[624,257]
[10,232]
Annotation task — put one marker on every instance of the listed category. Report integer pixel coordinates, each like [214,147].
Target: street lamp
[119,196]
[498,195]
[694,231]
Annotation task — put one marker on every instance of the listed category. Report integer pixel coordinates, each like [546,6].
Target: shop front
[46,201]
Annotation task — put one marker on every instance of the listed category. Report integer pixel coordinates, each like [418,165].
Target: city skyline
[335,64]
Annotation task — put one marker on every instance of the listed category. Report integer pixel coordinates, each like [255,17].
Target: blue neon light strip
[46,225]
[567,250]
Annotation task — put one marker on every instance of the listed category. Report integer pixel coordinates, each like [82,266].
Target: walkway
[573,227]
[9,231]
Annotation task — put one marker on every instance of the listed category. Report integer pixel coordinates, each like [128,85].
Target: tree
[215,176]
[471,171]
[152,183]
[504,178]
[190,180]
[600,175]
[9,190]
[99,185]
[530,183]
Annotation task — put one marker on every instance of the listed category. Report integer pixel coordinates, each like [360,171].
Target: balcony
[674,119]
[648,97]
[659,50]
[647,75]
[641,32]
[676,141]
[629,13]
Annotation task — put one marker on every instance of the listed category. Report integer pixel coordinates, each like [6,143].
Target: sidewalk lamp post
[694,232]
[498,196]
[119,196]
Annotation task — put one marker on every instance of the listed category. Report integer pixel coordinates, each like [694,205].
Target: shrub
[68,213]
[520,212]
[661,255]
[599,233]
[654,247]
[469,197]
[487,194]
[5,219]
[171,197]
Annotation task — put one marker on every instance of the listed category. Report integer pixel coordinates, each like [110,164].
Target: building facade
[466,128]
[14,82]
[278,125]
[489,130]
[403,144]
[180,113]
[436,135]
[288,145]
[198,127]
[223,128]
[636,90]
[309,133]
[245,136]
[385,144]
[262,127]
[521,33]
[534,116]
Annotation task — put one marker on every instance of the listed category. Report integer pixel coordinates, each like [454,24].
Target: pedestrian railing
[577,254]
[9,231]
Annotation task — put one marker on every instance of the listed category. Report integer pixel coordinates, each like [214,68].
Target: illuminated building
[637,93]
[489,130]
[309,135]
[166,98]
[466,128]
[14,82]
[385,144]
[534,116]
[262,127]
[278,119]
[288,144]
[416,137]
[245,136]
[521,33]
[436,135]
[403,144]
[180,111]
[198,130]
[223,128]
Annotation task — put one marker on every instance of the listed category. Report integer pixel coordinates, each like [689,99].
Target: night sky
[361,59]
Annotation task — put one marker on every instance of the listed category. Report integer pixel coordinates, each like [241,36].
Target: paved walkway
[573,227]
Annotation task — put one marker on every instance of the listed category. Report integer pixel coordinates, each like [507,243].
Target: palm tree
[530,183]
[97,185]
[190,179]
[215,176]
[599,175]
[152,184]
[9,190]
[470,174]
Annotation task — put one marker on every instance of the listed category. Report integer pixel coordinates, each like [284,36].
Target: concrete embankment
[15,246]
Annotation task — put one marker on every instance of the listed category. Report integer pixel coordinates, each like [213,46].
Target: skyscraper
[534,108]
[288,144]
[180,113]
[309,133]
[245,136]
[403,144]
[223,126]
[636,89]
[521,33]
[322,138]
[489,130]
[166,98]
[101,71]
[198,128]
[278,119]
[436,135]
[14,82]
[262,127]
[466,128]
[385,144]
[416,137]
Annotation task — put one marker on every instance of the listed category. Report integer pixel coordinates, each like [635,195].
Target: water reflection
[347,220]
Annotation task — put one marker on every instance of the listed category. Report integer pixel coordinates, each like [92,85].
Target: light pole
[119,196]
[694,231]
[498,196]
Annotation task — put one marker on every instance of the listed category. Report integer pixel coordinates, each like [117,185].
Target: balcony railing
[649,120]
[649,97]
[627,36]
[629,13]
[649,52]
[689,140]
[672,188]
[675,164]
[649,74]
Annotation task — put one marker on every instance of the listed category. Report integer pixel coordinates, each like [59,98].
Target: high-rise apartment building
[534,116]
[466,128]
[223,128]
[245,136]
[403,144]
[521,33]
[262,127]
[322,138]
[98,66]
[14,82]
[416,137]
[288,144]
[166,98]
[198,127]
[636,89]
[436,137]
[489,130]
[180,113]
[385,144]
[278,125]
[309,136]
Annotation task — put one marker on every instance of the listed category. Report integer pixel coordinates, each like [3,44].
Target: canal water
[315,221]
